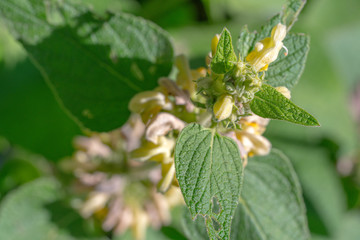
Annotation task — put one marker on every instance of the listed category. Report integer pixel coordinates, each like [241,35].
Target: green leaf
[286,70]
[225,57]
[93,65]
[269,103]
[316,171]
[245,42]
[271,204]
[290,12]
[32,114]
[209,170]
[34,211]
[193,229]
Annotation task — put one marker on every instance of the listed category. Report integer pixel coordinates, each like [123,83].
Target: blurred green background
[34,129]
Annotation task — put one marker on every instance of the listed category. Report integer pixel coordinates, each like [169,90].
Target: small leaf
[286,70]
[225,57]
[209,171]
[269,103]
[271,204]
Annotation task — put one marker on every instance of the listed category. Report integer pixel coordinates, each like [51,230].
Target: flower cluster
[121,169]
[120,193]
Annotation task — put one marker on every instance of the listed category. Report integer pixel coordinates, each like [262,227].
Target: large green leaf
[225,57]
[34,211]
[209,171]
[33,118]
[269,103]
[271,204]
[93,65]
[319,180]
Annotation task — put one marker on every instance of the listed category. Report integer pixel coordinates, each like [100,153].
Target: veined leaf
[271,204]
[269,103]
[286,70]
[225,57]
[209,171]
[93,65]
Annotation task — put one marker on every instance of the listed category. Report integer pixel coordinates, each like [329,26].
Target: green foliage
[271,204]
[93,65]
[35,211]
[209,171]
[291,11]
[286,70]
[33,118]
[269,103]
[225,57]
[270,207]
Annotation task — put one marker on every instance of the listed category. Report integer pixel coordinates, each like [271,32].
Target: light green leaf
[209,171]
[286,70]
[269,103]
[225,57]
[93,65]
[271,204]
[34,211]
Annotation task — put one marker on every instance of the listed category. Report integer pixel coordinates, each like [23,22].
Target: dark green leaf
[209,171]
[33,118]
[93,65]
[225,57]
[269,103]
[271,205]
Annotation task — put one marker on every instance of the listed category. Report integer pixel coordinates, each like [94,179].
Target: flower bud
[284,91]
[223,107]
[267,50]
[214,43]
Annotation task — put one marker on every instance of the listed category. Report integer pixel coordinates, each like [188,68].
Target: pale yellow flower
[267,50]
[160,152]
[284,91]
[148,104]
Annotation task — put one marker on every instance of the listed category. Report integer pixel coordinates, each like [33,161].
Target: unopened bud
[284,91]
[214,43]
[223,107]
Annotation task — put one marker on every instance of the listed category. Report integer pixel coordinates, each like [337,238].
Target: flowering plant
[157,140]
